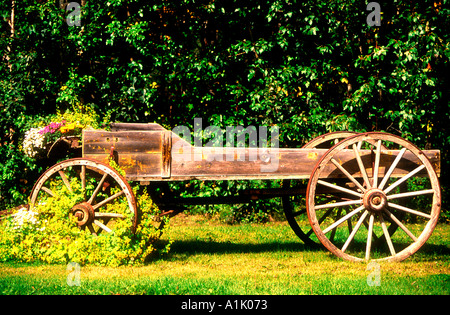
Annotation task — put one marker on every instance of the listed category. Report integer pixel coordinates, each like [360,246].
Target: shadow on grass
[213,247]
[192,247]
[433,250]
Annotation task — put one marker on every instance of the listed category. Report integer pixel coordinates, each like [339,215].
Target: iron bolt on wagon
[369,196]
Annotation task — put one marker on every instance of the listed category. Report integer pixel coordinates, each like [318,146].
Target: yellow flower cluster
[70,127]
[48,234]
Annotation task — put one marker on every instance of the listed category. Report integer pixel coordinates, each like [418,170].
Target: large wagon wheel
[376,203]
[99,188]
[294,206]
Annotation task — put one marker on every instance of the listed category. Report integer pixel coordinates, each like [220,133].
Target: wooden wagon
[373,179]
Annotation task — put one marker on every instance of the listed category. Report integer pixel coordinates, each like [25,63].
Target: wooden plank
[134,165]
[161,155]
[138,153]
[292,163]
[201,162]
[136,126]
[100,141]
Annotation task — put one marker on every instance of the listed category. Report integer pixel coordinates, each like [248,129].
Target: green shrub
[49,234]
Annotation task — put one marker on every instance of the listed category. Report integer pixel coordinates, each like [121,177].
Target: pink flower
[52,127]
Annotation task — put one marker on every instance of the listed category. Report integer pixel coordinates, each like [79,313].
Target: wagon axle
[374,200]
[84,212]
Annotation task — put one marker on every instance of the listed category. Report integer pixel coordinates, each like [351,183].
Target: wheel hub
[84,213]
[375,200]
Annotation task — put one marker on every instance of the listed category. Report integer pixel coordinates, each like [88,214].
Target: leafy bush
[307,66]
[49,234]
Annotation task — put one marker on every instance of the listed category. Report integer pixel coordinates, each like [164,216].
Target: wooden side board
[286,163]
[139,153]
[158,154]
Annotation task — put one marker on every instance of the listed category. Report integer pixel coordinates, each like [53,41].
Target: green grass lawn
[208,257]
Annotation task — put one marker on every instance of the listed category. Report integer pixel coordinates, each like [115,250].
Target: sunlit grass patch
[209,257]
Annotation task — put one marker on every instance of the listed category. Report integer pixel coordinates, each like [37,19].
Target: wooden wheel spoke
[97,189]
[339,204]
[400,224]
[374,235]
[102,226]
[108,215]
[369,237]
[298,213]
[65,180]
[325,215]
[349,225]
[411,194]
[404,178]
[333,231]
[346,173]
[91,229]
[392,168]
[108,200]
[345,190]
[360,164]
[409,210]
[83,177]
[355,230]
[341,220]
[386,235]
[48,191]
[377,164]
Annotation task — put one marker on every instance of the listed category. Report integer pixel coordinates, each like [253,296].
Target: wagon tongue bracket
[374,200]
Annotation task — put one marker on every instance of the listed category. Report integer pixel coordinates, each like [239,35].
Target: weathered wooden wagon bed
[371,179]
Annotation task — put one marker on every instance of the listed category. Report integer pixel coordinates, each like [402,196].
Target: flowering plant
[71,128]
[34,142]
[36,139]
[25,219]
[69,123]
[52,128]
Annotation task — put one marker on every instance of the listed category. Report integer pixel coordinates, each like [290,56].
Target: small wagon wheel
[99,188]
[293,206]
[376,204]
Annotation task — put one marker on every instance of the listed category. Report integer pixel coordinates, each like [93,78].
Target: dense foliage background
[309,67]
